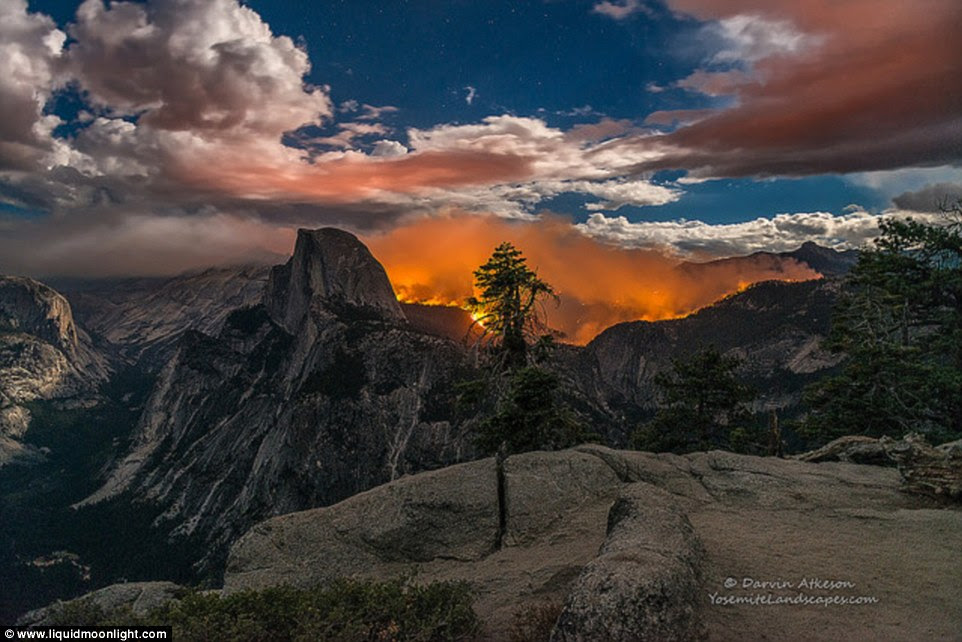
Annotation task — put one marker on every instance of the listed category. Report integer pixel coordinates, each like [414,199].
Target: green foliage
[508,303]
[899,327]
[519,401]
[348,611]
[531,416]
[703,404]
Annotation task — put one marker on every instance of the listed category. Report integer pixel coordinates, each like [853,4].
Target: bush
[532,415]
[703,405]
[346,611]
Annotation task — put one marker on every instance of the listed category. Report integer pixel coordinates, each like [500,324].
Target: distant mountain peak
[825,260]
[31,307]
[330,265]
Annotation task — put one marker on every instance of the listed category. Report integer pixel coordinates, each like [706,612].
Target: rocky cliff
[774,327]
[139,320]
[43,355]
[323,389]
[318,392]
[331,268]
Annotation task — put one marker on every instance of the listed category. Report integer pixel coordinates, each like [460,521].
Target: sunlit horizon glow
[160,136]
[598,284]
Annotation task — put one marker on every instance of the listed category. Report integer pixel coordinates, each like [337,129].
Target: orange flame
[432,261]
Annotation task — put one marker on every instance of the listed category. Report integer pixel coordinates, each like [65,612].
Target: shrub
[345,611]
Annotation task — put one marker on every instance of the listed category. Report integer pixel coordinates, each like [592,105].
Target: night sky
[158,136]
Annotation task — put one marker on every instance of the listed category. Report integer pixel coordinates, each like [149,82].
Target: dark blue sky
[552,60]
[154,136]
[543,59]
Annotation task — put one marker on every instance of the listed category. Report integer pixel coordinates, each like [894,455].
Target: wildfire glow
[432,261]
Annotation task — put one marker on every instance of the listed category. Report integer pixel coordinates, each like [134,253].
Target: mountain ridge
[265,391]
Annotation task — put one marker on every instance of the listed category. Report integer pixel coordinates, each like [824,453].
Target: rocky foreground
[636,546]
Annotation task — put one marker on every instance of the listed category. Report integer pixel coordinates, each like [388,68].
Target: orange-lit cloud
[599,285]
[351,178]
[193,110]
[838,87]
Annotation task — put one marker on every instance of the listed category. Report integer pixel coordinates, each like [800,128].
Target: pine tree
[702,403]
[509,304]
[898,326]
[520,398]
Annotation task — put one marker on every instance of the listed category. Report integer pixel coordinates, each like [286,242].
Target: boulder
[644,583]
[631,545]
[139,597]
[447,514]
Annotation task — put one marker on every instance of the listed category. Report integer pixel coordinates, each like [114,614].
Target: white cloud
[584,110]
[783,232]
[736,44]
[193,65]
[619,193]
[551,153]
[388,148]
[471,93]
[750,38]
[188,107]
[558,163]
[169,84]
[893,182]
[188,101]
[371,112]
[30,51]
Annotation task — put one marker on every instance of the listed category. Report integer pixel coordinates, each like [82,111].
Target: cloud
[714,83]
[140,244]
[781,233]
[893,182]
[196,104]
[386,148]
[204,66]
[470,95]
[371,112]
[192,107]
[165,83]
[678,117]
[368,112]
[931,198]
[584,110]
[346,136]
[604,129]
[30,52]
[551,153]
[620,9]
[838,87]
[748,38]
